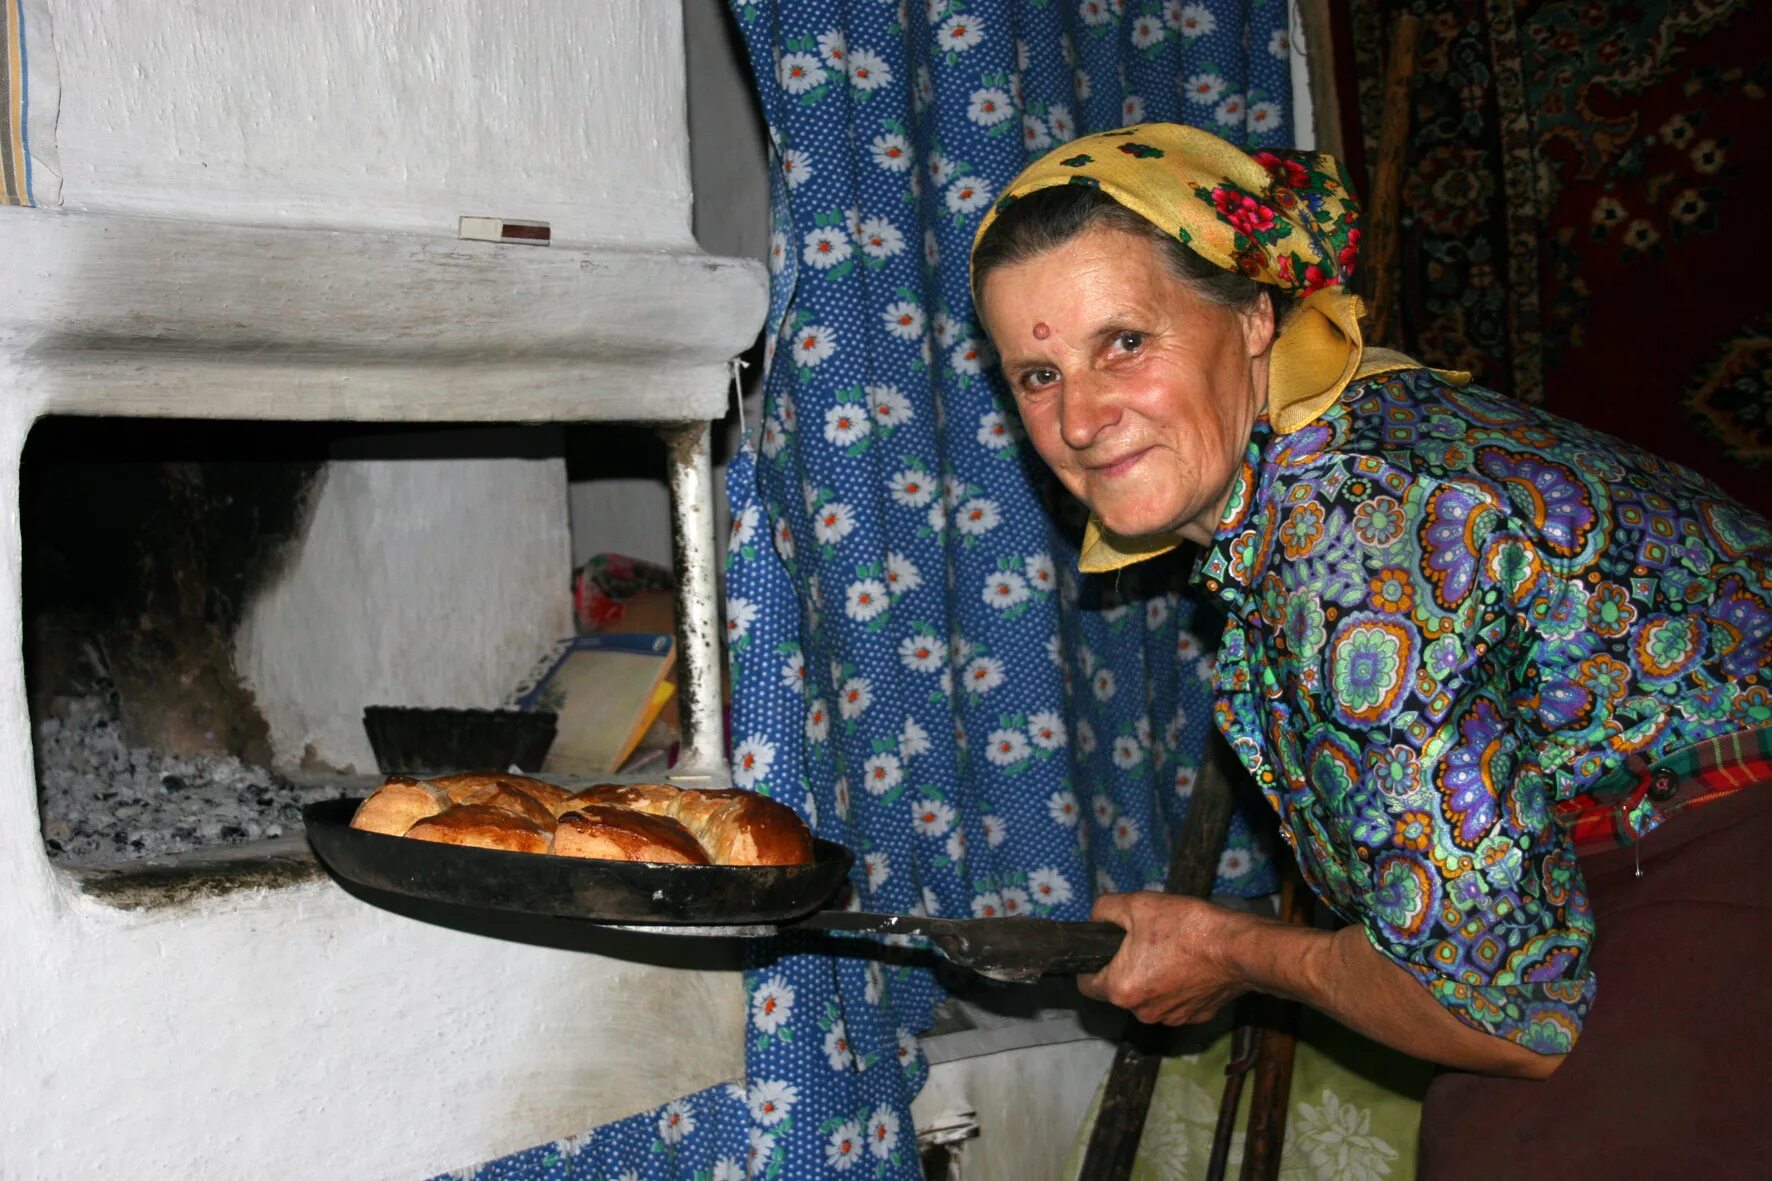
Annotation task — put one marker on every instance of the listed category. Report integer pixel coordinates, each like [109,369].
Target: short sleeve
[1397,711]
[1487,912]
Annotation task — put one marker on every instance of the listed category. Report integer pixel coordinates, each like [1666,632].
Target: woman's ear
[1259,327]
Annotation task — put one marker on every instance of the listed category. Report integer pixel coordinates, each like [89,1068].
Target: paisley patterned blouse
[1449,614]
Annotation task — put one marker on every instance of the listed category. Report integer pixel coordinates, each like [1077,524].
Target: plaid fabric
[1623,809]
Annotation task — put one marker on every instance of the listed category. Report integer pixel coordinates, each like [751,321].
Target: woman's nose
[1088,409]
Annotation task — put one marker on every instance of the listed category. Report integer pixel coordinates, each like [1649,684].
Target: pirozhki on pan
[650,822]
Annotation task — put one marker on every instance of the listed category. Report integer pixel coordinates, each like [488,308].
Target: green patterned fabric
[1353,1117]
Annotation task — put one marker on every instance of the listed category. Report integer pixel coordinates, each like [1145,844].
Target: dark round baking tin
[414,741]
[573,887]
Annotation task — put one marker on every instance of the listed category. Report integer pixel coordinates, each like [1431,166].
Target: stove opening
[209,605]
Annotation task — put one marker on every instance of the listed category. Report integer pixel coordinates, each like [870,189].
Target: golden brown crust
[461,786]
[483,827]
[736,827]
[397,805]
[654,822]
[621,834]
[466,783]
[588,795]
[760,831]
[507,797]
[545,794]
[655,799]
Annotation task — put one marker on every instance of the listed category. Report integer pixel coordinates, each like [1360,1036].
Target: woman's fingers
[1109,908]
[1164,971]
[1114,908]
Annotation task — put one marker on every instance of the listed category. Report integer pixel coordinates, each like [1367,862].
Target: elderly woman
[1503,678]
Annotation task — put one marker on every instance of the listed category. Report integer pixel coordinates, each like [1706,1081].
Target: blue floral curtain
[916,666]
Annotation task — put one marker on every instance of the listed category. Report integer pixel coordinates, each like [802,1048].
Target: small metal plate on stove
[573,887]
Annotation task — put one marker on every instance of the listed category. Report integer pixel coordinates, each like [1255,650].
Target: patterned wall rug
[1580,200]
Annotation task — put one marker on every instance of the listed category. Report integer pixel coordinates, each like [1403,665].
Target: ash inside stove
[103,800]
[143,541]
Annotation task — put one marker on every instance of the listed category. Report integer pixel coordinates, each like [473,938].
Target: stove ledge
[197,877]
[103,314]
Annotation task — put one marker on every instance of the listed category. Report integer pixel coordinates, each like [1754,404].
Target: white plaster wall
[303,1034]
[630,515]
[728,160]
[426,582]
[399,114]
[1030,1104]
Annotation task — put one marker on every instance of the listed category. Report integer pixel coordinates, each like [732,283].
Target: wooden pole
[1276,1022]
[1385,222]
[1245,1046]
[1193,868]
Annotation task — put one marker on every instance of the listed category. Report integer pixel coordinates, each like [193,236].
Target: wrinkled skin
[1172,969]
[1137,392]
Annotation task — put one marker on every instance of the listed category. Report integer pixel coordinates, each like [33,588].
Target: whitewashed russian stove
[251,212]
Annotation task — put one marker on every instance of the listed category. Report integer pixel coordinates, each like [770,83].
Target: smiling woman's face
[1139,393]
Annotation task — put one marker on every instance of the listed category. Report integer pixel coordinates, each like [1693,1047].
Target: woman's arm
[1185,959]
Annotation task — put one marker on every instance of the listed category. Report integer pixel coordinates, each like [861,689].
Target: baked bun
[397,805]
[507,797]
[465,784]
[735,827]
[621,834]
[655,799]
[481,826]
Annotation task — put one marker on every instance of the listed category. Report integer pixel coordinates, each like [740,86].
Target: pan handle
[1085,947]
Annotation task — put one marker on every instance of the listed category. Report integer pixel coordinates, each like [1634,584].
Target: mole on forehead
[1041,332]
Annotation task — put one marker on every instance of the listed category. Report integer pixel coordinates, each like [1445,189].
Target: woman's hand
[1183,960]
[1175,966]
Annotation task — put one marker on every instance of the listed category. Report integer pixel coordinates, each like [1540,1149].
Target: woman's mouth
[1119,467]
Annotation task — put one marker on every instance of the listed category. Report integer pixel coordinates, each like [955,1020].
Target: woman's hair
[1048,218]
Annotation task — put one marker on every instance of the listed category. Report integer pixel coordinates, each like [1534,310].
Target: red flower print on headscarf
[1290,173]
[1315,279]
[1349,252]
[1243,211]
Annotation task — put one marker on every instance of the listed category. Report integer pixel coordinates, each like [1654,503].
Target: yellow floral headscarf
[1284,218]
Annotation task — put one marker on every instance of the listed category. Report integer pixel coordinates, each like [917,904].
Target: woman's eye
[1036,378]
